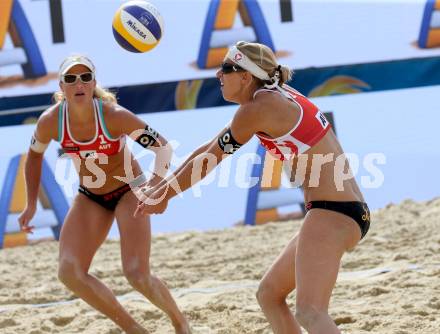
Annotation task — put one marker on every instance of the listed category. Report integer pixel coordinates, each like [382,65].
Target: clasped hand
[151,200]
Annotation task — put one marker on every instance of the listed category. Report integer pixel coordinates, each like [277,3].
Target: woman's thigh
[135,235]
[281,275]
[85,228]
[323,239]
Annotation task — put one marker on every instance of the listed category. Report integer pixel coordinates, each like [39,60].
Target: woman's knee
[268,293]
[139,279]
[70,273]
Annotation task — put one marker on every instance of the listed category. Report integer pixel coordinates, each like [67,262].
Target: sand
[389,284]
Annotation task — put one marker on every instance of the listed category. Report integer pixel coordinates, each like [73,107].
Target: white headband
[244,62]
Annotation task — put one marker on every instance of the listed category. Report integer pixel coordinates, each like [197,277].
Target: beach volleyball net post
[219,32]
[26,51]
[429,35]
[13,201]
[265,197]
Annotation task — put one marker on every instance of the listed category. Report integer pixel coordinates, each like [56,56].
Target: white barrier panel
[221,38]
[435,21]
[400,126]
[272,198]
[322,33]
[14,56]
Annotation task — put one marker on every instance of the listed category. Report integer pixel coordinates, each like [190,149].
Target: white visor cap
[73,61]
[244,62]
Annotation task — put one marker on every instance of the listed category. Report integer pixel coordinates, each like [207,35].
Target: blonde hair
[264,57]
[99,93]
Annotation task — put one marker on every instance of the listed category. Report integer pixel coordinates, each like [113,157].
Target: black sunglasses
[73,78]
[227,68]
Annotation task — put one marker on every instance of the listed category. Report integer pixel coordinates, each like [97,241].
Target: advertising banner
[35,36]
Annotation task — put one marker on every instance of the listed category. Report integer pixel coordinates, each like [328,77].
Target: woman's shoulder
[261,106]
[47,124]
[114,112]
[248,114]
[271,100]
[118,119]
[50,115]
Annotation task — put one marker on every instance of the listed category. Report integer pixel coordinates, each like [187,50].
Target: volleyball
[137,26]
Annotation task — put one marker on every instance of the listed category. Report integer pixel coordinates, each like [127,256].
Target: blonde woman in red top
[91,128]
[288,125]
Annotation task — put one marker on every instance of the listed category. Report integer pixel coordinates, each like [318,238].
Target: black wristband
[227,142]
[148,137]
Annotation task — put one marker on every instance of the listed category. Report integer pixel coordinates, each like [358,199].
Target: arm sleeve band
[37,146]
[148,137]
[227,142]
